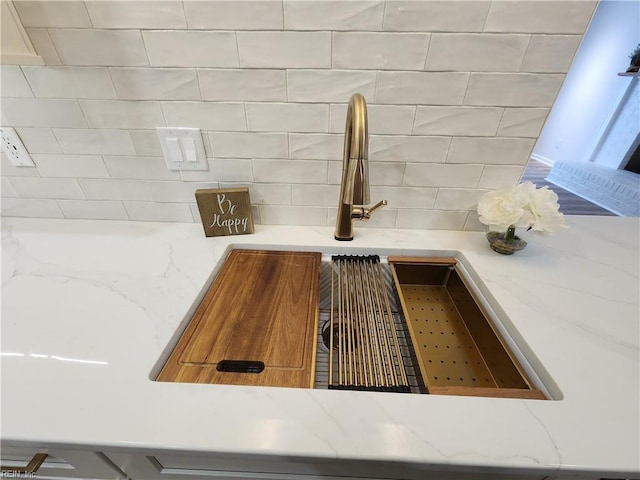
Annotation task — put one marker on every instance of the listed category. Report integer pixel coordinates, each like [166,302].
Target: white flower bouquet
[525,206]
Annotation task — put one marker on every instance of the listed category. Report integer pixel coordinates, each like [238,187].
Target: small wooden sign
[225,211]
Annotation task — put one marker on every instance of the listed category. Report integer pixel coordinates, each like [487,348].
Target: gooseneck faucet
[354,189]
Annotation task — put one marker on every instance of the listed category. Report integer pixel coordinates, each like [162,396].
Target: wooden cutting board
[256,325]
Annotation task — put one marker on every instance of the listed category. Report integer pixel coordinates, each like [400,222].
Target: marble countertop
[88,308]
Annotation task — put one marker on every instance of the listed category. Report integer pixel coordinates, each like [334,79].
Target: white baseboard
[545,160]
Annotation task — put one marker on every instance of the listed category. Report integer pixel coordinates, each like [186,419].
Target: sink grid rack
[378,355]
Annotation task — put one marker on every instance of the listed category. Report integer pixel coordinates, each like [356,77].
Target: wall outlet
[183,148]
[14,149]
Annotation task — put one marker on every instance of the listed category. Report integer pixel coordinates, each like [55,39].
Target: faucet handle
[366,213]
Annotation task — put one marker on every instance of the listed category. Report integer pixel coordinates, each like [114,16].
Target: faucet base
[343,239]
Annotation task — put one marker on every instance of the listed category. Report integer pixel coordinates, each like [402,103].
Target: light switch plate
[182,148]
[14,149]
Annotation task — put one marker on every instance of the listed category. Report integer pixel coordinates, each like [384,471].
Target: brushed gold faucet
[354,189]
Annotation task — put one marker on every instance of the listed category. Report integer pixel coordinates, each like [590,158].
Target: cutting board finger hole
[240,366]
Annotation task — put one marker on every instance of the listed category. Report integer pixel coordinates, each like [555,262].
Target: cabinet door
[183,466]
[60,464]
[157,465]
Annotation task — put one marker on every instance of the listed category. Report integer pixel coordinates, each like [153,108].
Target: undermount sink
[422,324]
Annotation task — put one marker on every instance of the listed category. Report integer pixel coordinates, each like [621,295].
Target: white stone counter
[88,308]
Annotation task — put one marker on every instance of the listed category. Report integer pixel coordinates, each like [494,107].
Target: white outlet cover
[14,149]
[183,148]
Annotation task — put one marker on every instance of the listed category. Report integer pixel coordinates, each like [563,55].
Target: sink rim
[529,361]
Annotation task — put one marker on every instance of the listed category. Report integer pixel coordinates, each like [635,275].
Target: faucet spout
[354,188]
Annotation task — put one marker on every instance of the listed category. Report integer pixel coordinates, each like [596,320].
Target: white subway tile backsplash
[497,176]
[476,52]
[158,212]
[383,119]
[94,141]
[231,15]
[45,13]
[522,122]
[334,176]
[380,173]
[39,140]
[284,49]
[210,176]
[315,195]
[329,85]
[39,187]
[436,16]
[7,189]
[458,198]
[206,116]
[191,48]
[255,212]
[175,191]
[290,171]
[93,209]
[30,207]
[454,105]
[292,215]
[36,112]
[379,51]
[550,53]
[80,166]
[156,83]
[43,44]
[208,150]
[139,168]
[249,145]
[99,47]
[107,189]
[266,193]
[390,119]
[422,88]
[13,82]
[384,173]
[513,89]
[527,16]
[287,117]
[473,224]
[70,82]
[122,114]
[431,219]
[489,151]
[441,175]
[404,197]
[146,143]
[232,169]
[312,146]
[476,121]
[243,85]
[10,170]
[399,148]
[136,14]
[333,15]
